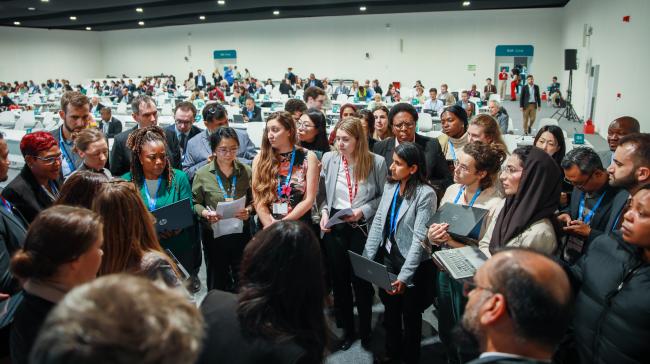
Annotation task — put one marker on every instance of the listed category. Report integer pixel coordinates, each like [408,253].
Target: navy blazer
[525,95]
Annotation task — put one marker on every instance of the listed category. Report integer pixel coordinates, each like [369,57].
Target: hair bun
[22,264]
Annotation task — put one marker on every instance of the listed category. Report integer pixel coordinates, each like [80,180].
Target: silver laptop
[178,215]
[371,271]
[460,263]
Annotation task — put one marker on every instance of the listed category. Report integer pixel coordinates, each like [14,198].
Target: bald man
[518,308]
[617,129]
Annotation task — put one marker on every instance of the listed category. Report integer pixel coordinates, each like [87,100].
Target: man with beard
[513,312]
[75,113]
[619,128]
[630,170]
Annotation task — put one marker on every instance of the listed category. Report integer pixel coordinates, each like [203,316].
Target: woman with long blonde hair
[285,176]
[354,179]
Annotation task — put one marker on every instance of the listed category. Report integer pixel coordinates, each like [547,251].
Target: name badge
[388,245]
[281,208]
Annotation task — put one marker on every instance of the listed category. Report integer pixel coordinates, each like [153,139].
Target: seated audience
[48,271]
[277,316]
[285,176]
[92,147]
[80,189]
[223,179]
[198,148]
[500,114]
[250,111]
[149,324]
[161,185]
[312,132]
[593,201]
[38,183]
[475,175]
[489,89]
[611,323]
[402,120]
[363,174]
[513,314]
[467,105]
[394,241]
[531,182]
[433,103]
[617,129]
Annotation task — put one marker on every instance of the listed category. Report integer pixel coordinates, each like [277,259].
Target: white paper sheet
[338,217]
[227,210]
[229,224]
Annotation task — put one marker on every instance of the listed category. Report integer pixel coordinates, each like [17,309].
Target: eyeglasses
[470,285]
[462,167]
[183,122]
[304,125]
[404,126]
[49,160]
[510,170]
[579,186]
[226,151]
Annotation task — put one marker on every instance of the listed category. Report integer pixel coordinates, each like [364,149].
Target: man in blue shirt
[251,112]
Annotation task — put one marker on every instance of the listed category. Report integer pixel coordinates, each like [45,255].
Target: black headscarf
[538,197]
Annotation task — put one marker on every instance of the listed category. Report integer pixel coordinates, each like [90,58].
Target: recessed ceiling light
[362,8]
[276,12]
[45,1]
[466,3]
[202,17]
[140,23]
[139,10]
[89,28]
[73,18]
[221,2]
[16,23]
[31,8]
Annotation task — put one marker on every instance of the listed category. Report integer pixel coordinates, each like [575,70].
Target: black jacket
[225,341]
[28,319]
[12,235]
[27,195]
[612,313]
[194,130]
[525,95]
[436,166]
[6,101]
[286,89]
[114,127]
[317,83]
[121,155]
[257,113]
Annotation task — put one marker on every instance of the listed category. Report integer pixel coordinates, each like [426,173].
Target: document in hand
[178,215]
[229,224]
[338,217]
[460,263]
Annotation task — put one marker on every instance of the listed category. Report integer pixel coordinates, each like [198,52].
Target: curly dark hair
[135,142]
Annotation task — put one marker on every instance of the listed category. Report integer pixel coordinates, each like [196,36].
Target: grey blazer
[329,174]
[412,221]
[198,151]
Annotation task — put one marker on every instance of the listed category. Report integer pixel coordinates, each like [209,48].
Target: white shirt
[341,192]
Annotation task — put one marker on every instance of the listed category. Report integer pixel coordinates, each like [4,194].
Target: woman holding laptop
[400,224]
[224,179]
[160,185]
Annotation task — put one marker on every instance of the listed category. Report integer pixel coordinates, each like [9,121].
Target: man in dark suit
[125,97]
[95,105]
[199,80]
[109,125]
[402,119]
[529,103]
[145,114]
[5,101]
[511,327]
[313,82]
[75,113]
[183,126]
[250,111]
[285,87]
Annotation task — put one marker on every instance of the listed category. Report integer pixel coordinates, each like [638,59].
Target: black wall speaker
[570,59]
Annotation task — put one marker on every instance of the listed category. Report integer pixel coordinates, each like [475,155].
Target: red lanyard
[347,176]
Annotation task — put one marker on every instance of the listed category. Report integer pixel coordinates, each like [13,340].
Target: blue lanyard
[590,215]
[393,215]
[53,187]
[460,192]
[453,151]
[151,200]
[66,156]
[232,186]
[6,204]
[288,179]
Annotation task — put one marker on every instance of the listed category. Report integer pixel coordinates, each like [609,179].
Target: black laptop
[371,271]
[464,221]
[178,215]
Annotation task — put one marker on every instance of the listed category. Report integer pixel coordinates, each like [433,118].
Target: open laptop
[371,271]
[464,221]
[238,118]
[178,215]
[460,263]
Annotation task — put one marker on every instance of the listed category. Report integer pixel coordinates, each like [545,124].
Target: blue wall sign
[514,51]
[225,54]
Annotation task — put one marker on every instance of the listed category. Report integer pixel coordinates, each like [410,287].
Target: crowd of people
[565,236]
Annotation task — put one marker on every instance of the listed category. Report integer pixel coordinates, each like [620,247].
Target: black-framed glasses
[582,185]
[404,126]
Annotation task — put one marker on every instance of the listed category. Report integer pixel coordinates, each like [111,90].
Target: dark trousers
[222,258]
[342,238]
[403,315]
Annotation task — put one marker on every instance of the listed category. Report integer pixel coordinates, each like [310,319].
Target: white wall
[437,46]
[621,49]
[36,54]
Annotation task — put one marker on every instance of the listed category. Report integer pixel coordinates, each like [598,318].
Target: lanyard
[453,151]
[347,176]
[288,179]
[393,215]
[66,156]
[151,200]
[6,204]
[227,196]
[581,209]
[460,192]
